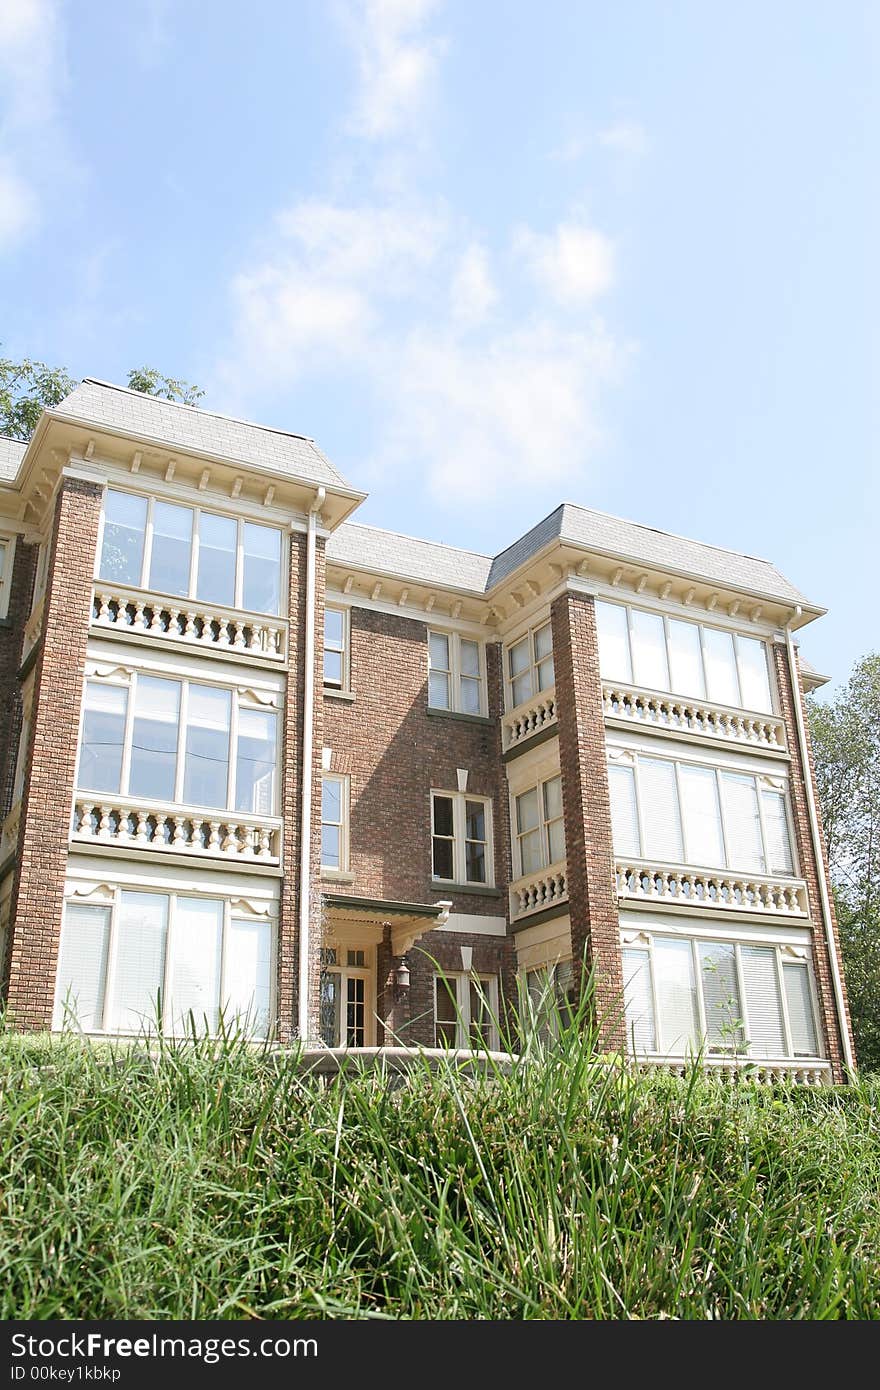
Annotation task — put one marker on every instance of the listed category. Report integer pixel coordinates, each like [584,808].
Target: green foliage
[153,383]
[26,389]
[846,745]
[214,1181]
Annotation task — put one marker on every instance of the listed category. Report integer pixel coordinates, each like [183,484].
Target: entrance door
[347,997]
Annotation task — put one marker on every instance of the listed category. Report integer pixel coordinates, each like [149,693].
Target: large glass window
[152,959]
[190,553]
[461,839]
[455,674]
[683,813]
[729,997]
[530,665]
[540,828]
[177,742]
[684,658]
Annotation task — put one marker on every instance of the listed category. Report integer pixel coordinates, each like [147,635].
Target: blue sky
[489,255]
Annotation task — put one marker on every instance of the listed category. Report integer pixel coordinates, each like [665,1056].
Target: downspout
[305,846]
[816,838]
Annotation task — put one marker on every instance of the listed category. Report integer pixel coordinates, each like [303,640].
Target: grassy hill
[206,1182]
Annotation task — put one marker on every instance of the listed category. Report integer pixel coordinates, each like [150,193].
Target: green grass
[214,1182]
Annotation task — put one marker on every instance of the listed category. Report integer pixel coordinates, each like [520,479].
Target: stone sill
[479,890]
[331,692]
[465,718]
[336,876]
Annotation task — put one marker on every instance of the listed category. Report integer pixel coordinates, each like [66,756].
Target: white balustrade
[137,824]
[780,1070]
[182,620]
[634,706]
[534,892]
[644,881]
[529,718]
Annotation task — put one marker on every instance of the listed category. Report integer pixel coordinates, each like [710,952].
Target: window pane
[438,647]
[82,967]
[556,841]
[660,811]
[475,820]
[195,965]
[754,675]
[154,738]
[676,995]
[721,678]
[438,690]
[255,763]
[702,817]
[481,1014]
[543,642]
[531,852]
[332,668]
[766,1033]
[470,695]
[446,1034]
[685,660]
[552,790]
[206,774]
[331,847]
[545,673]
[122,550]
[217,544]
[355,1012]
[720,995]
[331,800]
[527,817]
[100,759]
[639,1001]
[442,815]
[171,549]
[776,826]
[334,628]
[331,999]
[442,859]
[742,827]
[518,657]
[470,658]
[475,862]
[247,992]
[614,662]
[261,582]
[142,930]
[800,1010]
[521,688]
[624,816]
[649,650]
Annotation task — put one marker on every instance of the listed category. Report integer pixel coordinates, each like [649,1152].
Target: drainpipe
[816,838]
[305,847]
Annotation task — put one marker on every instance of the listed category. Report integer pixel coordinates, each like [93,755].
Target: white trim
[344,686]
[344,823]
[463,979]
[7,565]
[459,857]
[476,924]
[342,944]
[454,671]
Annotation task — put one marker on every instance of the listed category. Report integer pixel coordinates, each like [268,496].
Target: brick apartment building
[261,763]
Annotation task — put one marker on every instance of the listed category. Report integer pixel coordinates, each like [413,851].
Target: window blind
[660,811]
[753,674]
[624,816]
[639,1001]
[721,681]
[766,1033]
[195,973]
[702,816]
[82,967]
[742,825]
[649,650]
[800,1010]
[247,992]
[721,1001]
[676,994]
[141,932]
[776,826]
[613,631]
[685,659]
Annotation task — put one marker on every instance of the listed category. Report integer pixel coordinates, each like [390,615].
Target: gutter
[305,847]
[816,839]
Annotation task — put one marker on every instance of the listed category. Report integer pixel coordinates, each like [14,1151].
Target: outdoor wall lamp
[401,980]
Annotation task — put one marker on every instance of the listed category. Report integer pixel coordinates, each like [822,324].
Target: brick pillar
[11,637]
[810,869]
[595,927]
[291,807]
[38,891]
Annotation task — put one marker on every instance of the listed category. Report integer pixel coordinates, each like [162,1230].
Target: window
[734,997]
[466,1011]
[346,1011]
[334,823]
[178,742]
[684,658]
[682,813]
[336,621]
[182,962]
[7,553]
[461,837]
[550,999]
[540,829]
[455,674]
[190,553]
[530,665]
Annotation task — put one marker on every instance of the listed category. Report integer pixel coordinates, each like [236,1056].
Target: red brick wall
[11,634]
[809,867]
[595,928]
[38,893]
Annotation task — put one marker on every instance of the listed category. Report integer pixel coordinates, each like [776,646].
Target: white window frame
[529,635]
[783,955]
[455,640]
[239,700]
[197,511]
[535,784]
[459,826]
[463,979]
[702,628]
[344,685]
[173,895]
[550,969]
[346,972]
[763,782]
[344,780]
[7,564]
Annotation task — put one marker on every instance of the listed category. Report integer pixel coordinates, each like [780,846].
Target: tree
[26,387]
[153,383]
[846,746]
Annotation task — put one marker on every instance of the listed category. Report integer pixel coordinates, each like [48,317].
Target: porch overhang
[408,921]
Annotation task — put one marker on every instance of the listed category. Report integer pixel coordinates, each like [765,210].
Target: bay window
[731,997]
[684,658]
[455,674]
[179,742]
[461,838]
[540,828]
[189,552]
[466,1011]
[530,665]
[682,813]
[175,961]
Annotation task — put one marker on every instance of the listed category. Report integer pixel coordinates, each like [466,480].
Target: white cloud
[575,263]
[472,294]
[17,207]
[396,59]
[629,137]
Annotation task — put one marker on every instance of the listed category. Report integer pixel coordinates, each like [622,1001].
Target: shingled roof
[11,454]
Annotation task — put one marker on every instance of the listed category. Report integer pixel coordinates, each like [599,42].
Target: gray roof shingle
[426,562]
[181,427]
[11,455]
